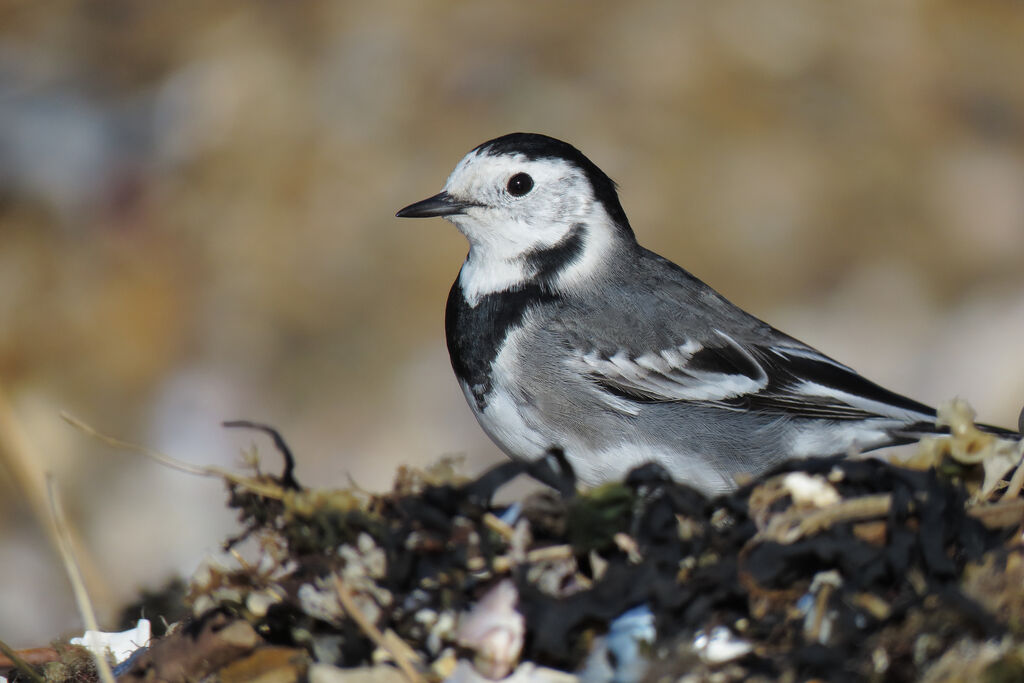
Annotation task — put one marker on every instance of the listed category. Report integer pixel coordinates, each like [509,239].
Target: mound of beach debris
[838,569]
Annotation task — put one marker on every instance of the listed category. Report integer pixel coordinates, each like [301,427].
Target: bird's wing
[690,371]
[785,378]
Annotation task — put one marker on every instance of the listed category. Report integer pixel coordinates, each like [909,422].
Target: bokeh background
[196,224]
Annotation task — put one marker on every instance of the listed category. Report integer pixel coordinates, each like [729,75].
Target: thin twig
[551,553]
[75,576]
[26,464]
[262,488]
[128,446]
[498,526]
[288,475]
[371,630]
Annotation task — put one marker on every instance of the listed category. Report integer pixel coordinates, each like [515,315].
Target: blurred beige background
[196,223]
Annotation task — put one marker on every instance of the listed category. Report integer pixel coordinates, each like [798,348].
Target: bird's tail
[958,414]
[1000,432]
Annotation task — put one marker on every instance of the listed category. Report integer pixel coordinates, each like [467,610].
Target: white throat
[487,270]
[482,275]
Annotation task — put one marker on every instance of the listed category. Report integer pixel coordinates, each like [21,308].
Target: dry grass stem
[75,575]
[257,486]
[495,524]
[26,466]
[374,633]
[793,525]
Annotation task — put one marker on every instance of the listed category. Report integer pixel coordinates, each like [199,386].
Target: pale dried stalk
[26,465]
[374,633]
[265,489]
[498,526]
[67,554]
[793,525]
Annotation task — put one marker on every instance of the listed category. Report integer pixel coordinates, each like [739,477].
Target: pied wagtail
[565,333]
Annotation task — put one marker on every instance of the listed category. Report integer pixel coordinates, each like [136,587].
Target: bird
[565,333]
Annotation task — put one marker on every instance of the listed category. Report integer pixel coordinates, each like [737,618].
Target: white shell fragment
[721,645]
[494,630]
[119,645]
[810,490]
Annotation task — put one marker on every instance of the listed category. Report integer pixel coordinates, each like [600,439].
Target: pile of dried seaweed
[843,569]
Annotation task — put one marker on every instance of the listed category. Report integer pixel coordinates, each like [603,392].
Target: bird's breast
[476,334]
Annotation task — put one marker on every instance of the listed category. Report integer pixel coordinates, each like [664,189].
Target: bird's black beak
[441,204]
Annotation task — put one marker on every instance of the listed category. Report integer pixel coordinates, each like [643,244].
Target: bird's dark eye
[520,184]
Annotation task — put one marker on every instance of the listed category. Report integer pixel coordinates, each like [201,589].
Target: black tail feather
[917,430]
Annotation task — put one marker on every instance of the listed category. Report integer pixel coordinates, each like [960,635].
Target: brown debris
[267,665]
[193,652]
[831,569]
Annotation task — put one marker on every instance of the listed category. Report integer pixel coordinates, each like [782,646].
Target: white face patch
[503,230]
